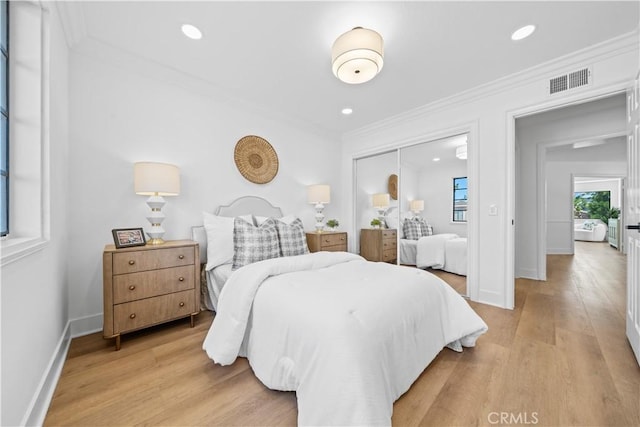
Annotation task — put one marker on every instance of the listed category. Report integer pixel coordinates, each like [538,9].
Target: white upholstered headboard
[245,205]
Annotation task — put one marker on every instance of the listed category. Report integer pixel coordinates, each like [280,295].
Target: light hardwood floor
[559,359]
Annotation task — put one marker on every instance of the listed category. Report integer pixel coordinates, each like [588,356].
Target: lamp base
[155,241]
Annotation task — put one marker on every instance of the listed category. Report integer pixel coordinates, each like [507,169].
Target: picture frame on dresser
[128,237]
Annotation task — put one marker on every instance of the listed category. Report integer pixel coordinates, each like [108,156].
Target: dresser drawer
[388,255]
[130,287]
[389,244]
[333,240]
[336,248]
[134,261]
[389,234]
[146,312]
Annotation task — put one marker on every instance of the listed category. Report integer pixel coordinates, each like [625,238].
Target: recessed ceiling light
[523,32]
[436,159]
[192,32]
[347,111]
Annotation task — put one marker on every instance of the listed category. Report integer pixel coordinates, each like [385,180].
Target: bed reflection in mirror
[432,209]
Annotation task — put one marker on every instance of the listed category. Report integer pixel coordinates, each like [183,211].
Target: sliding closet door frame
[473,211]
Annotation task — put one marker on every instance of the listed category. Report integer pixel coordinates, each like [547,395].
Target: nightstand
[148,285]
[378,244]
[327,241]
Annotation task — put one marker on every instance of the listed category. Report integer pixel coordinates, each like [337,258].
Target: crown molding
[625,43]
[73,23]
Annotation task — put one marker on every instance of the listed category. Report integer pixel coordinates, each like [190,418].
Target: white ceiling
[275,56]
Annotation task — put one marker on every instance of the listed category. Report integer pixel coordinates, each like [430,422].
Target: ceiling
[275,56]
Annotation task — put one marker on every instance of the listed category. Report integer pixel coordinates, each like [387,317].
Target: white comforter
[348,335]
[430,251]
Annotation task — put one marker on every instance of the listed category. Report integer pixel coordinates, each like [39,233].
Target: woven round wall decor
[393,187]
[256,159]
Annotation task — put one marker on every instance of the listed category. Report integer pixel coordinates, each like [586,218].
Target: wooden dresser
[327,241]
[378,244]
[148,285]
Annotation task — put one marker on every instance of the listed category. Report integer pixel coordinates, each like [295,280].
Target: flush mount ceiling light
[523,32]
[357,55]
[347,111]
[192,31]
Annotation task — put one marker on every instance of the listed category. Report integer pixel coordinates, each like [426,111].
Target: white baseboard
[86,325]
[527,273]
[39,405]
[37,410]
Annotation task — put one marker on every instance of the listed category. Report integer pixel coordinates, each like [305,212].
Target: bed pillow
[412,229]
[293,240]
[287,219]
[252,244]
[219,231]
[425,228]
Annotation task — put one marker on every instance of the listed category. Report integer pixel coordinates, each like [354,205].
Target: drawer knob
[132,287]
[181,304]
[132,316]
[181,279]
[326,240]
[131,262]
[181,256]
[342,238]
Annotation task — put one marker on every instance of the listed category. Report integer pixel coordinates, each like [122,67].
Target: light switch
[493,210]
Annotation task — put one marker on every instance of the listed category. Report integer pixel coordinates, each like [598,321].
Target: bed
[445,251]
[349,336]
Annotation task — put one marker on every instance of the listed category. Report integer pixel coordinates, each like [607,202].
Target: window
[592,205]
[4,118]
[460,199]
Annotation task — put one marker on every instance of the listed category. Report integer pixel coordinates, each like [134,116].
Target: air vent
[570,81]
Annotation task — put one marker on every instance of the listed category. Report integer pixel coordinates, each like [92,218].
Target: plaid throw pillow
[425,229]
[293,240]
[252,244]
[412,229]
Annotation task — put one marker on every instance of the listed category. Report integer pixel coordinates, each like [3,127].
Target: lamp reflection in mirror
[381,203]
[416,206]
[156,180]
[319,195]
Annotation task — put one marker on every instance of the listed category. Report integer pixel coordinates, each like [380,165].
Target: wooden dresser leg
[193,316]
[117,342]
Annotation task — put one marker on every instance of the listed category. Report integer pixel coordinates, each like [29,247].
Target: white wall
[119,117]
[34,288]
[485,113]
[435,184]
[598,118]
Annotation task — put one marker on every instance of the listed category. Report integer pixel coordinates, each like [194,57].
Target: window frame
[454,199]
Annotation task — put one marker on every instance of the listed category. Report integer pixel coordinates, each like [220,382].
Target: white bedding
[349,336]
[216,278]
[408,251]
[431,250]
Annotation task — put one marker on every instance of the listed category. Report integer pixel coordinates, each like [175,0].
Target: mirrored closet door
[433,199]
[376,206]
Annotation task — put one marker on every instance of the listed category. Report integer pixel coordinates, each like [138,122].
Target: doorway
[551,148]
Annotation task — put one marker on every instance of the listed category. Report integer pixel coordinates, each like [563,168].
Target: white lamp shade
[357,55]
[381,200]
[318,194]
[416,205]
[461,152]
[156,178]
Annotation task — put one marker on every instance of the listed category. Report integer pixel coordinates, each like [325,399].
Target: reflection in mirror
[374,202]
[433,209]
